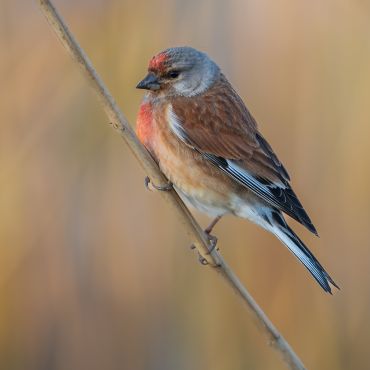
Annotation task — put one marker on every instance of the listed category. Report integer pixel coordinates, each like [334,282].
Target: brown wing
[219,126]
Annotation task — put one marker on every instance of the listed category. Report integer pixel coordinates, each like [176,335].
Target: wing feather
[218,125]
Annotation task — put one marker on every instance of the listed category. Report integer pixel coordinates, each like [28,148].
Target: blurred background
[96,272]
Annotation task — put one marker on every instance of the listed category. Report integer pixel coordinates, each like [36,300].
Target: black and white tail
[288,237]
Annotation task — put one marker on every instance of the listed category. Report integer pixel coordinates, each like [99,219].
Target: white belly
[203,205]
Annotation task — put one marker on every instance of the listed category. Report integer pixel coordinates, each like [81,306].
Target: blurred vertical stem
[121,125]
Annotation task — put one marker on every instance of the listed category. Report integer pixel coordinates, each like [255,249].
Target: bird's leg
[210,227]
[212,239]
[166,187]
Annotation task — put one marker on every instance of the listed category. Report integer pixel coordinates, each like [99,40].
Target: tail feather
[288,237]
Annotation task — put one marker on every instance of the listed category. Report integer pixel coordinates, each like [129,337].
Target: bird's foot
[212,240]
[202,260]
[149,185]
[213,243]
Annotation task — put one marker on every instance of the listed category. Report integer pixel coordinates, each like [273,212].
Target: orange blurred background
[96,272]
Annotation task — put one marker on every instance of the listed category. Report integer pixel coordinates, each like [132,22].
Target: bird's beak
[150,82]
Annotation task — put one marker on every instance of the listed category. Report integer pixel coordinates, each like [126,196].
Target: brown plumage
[217,122]
[207,143]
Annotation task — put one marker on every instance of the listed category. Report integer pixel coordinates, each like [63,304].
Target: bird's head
[180,71]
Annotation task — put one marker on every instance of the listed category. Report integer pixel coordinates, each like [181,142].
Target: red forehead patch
[157,62]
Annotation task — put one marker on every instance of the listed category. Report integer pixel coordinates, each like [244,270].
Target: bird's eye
[173,74]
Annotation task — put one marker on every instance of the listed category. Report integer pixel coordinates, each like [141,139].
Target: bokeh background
[96,272]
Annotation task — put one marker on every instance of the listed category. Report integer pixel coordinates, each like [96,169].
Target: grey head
[180,71]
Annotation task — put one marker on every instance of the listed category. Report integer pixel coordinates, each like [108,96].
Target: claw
[202,260]
[146,183]
[213,241]
[166,187]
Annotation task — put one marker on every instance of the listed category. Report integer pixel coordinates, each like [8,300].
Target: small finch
[208,145]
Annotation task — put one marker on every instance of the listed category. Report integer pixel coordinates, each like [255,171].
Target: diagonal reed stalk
[201,242]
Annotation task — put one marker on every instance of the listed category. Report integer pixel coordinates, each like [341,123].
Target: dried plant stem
[121,125]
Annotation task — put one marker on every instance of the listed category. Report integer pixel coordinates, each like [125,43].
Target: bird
[206,142]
